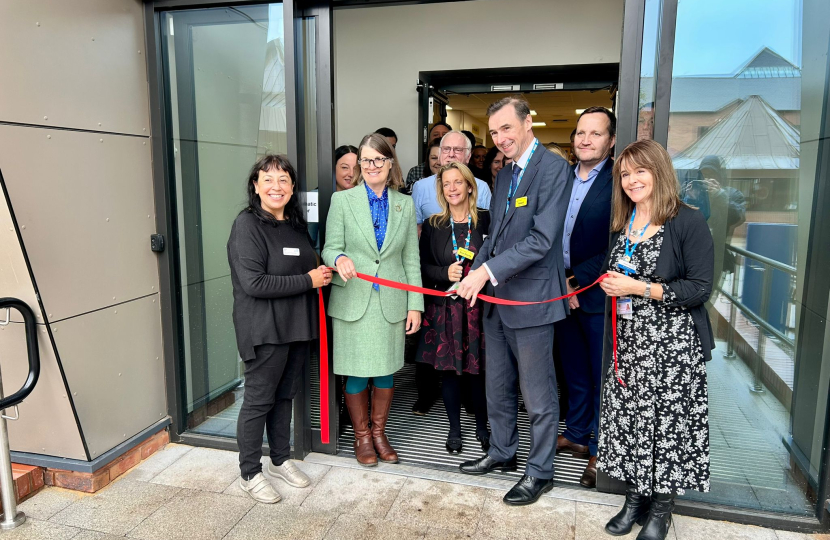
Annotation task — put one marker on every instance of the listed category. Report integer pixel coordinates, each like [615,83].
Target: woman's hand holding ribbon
[617,284]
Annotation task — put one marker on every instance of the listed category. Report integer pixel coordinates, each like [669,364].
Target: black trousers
[271,382]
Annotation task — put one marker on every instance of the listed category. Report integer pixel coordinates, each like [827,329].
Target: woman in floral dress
[452,338]
[654,427]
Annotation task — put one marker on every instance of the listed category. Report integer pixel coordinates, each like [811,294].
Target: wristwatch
[573,282]
[647,294]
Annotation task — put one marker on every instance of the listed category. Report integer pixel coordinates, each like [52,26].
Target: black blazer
[589,238]
[436,253]
[687,264]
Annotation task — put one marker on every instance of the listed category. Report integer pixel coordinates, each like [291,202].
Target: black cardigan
[273,299]
[436,253]
[687,265]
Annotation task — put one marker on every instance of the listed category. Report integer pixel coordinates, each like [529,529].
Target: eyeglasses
[377,162]
[453,150]
[283,182]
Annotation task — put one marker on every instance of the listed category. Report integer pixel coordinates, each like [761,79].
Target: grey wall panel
[15,280]
[84,205]
[77,64]
[114,367]
[46,425]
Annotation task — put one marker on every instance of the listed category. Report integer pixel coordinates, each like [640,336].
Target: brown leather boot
[381,402]
[364,450]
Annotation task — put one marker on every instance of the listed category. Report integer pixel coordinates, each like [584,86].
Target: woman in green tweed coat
[371,229]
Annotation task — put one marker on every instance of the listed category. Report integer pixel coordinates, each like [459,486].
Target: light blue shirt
[425,197]
[578,193]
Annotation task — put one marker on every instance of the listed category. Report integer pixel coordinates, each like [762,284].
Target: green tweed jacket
[349,230]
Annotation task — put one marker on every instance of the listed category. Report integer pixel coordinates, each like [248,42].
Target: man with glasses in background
[438,130]
[455,146]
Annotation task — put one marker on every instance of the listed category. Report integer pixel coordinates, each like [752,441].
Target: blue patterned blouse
[379,206]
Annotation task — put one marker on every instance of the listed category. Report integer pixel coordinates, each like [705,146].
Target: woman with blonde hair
[372,230]
[654,426]
[452,340]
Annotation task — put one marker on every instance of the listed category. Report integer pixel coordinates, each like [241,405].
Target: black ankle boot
[659,518]
[635,510]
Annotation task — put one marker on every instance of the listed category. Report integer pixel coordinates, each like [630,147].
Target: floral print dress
[654,432]
[451,333]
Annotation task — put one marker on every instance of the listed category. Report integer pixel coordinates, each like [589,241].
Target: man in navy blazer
[585,246]
[522,258]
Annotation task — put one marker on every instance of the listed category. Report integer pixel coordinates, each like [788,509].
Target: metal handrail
[763,260]
[31,348]
[759,319]
[11,518]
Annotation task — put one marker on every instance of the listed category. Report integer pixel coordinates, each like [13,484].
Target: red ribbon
[324,350]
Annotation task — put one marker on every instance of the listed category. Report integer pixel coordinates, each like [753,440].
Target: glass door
[225,83]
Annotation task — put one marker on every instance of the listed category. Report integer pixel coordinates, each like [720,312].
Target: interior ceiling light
[539,124]
[532,112]
[580,111]
[449,108]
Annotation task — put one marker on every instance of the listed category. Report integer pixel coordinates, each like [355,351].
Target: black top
[687,264]
[273,299]
[436,251]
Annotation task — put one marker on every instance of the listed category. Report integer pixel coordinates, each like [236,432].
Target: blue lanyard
[466,242]
[521,174]
[629,251]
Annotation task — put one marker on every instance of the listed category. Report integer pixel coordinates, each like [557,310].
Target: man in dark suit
[585,245]
[522,259]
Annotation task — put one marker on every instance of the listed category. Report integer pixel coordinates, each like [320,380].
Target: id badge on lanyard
[625,306]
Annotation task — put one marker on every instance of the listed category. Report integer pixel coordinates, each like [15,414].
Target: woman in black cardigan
[452,337]
[274,273]
[654,427]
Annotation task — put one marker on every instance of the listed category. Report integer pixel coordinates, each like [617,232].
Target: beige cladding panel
[84,205]
[74,63]
[115,370]
[46,425]
[14,275]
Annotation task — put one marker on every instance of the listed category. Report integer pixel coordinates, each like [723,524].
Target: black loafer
[527,491]
[486,464]
[454,444]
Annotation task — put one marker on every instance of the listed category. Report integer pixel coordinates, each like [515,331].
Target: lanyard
[629,251]
[466,242]
[521,174]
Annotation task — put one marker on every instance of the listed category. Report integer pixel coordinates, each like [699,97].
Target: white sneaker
[290,473]
[260,489]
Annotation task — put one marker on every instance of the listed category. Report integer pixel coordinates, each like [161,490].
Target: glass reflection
[735,135]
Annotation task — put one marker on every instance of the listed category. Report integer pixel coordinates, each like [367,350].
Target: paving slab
[282,522]
[786,535]
[94,535]
[48,502]
[35,529]
[350,491]
[290,495]
[117,508]
[153,465]
[428,503]
[349,527]
[194,515]
[689,528]
[546,518]
[205,469]
[441,534]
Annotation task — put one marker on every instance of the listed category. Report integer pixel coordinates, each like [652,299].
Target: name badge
[626,266]
[291,252]
[625,308]
[466,253]
[521,201]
